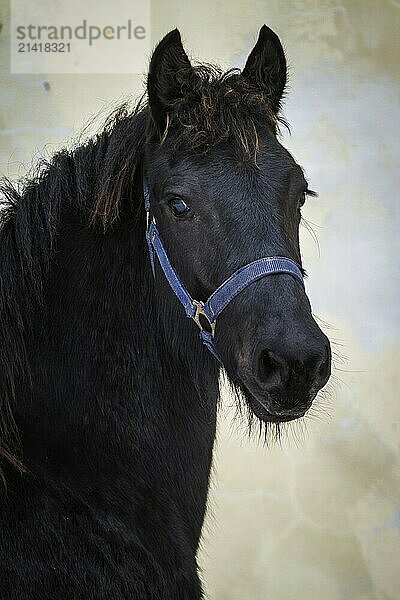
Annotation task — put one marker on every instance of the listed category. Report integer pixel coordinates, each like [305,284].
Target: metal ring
[199,306]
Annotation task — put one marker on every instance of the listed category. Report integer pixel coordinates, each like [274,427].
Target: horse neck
[116,367]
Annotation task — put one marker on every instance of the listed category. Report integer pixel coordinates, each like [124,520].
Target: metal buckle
[199,306]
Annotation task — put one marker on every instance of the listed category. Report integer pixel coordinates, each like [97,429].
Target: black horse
[108,398]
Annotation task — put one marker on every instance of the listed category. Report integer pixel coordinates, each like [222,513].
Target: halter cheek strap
[206,313]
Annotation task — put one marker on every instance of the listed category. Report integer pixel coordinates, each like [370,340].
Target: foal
[108,397]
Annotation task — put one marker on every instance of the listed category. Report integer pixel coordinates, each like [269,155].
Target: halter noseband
[209,310]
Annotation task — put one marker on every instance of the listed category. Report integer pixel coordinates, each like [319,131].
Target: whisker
[311,231]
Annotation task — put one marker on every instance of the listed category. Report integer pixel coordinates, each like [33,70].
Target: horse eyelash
[311,193]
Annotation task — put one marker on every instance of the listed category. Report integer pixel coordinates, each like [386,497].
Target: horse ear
[169,69]
[266,66]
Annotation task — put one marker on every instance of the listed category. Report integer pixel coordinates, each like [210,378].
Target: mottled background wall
[318,518]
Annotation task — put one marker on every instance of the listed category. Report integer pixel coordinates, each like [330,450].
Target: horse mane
[93,181]
[97,181]
[215,106]
[27,233]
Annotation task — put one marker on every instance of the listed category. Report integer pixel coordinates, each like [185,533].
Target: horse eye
[178,206]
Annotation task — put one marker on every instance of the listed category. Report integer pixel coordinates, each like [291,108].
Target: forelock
[215,107]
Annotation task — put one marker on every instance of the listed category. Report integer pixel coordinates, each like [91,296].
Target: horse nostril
[273,370]
[324,369]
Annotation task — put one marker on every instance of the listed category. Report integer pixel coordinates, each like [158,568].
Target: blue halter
[208,311]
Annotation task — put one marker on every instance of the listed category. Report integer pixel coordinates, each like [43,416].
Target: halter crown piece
[206,313]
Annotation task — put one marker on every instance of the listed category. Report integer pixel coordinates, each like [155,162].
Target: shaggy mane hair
[215,106]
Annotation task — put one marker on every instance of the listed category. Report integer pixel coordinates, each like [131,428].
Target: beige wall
[318,518]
